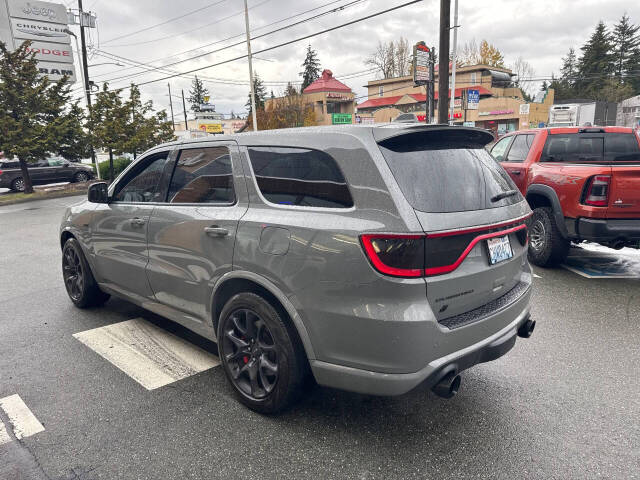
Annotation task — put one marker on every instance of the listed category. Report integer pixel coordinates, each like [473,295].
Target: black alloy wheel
[18,185]
[251,353]
[73,274]
[81,177]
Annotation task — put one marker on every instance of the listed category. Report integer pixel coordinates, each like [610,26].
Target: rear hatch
[471,211]
[622,152]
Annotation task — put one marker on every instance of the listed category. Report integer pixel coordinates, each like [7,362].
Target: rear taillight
[597,194]
[396,255]
[0,172]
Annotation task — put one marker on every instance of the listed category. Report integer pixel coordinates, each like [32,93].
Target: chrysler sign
[35,30]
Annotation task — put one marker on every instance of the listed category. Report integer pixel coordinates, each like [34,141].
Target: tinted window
[574,148]
[143,187]
[621,147]
[203,175]
[56,162]
[499,148]
[297,176]
[10,165]
[439,178]
[520,148]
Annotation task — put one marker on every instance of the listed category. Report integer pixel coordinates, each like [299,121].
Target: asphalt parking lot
[563,404]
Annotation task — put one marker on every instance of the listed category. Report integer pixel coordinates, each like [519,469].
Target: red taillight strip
[383,268]
[478,229]
[463,255]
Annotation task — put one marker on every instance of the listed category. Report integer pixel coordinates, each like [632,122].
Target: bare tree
[382,60]
[468,53]
[524,72]
[403,57]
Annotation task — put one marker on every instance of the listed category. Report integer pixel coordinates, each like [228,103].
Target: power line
[271,32]
[289,42]
[190,30]
[165,22]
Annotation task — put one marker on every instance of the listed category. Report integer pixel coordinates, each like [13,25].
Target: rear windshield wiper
[503,195]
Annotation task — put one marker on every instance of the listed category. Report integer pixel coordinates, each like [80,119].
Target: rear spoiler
[425,137]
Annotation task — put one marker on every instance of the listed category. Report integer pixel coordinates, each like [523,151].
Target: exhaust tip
[448,387]
[526,329]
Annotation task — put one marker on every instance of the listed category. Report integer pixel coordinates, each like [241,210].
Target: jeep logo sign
[36,10]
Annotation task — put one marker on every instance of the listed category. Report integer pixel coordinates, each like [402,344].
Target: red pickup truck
[582,183]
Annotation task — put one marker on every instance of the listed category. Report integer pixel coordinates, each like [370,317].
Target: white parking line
[24,422]
[150,355]
[4,436]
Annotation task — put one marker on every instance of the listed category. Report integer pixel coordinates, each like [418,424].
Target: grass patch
[41,194]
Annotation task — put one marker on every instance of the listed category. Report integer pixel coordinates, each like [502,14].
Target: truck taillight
[396,255]
[598,191]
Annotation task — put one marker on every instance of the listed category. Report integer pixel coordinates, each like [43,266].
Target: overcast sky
[541,32]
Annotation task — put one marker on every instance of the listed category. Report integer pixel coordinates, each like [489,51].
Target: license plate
[499,249]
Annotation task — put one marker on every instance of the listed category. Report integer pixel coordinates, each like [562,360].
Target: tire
[253,338]
[547,246]
[78,279]
[81,177]
[17,185]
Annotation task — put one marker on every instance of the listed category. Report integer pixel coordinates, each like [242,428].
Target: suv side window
[299,176]
[143,187]
[55,162]
[203,175]
[520,148]
[499,149]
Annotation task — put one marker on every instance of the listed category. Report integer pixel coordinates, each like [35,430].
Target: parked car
[374,258]
[409,118]
[582,184]
[49,170]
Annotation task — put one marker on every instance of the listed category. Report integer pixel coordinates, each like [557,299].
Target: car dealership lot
[564,404]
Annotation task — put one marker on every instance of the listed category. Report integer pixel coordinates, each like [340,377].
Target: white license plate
[499,249]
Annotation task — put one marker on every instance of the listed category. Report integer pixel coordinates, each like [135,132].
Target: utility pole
[173,123]
[184,107]
[432,84]
[443,68]
[87,85]
[453,62]
[253,93]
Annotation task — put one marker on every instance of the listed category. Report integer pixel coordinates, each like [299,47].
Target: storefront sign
[469,124]
[53,52]
[341,118]
[524,109]
[421,64]
[35,30]
[55,71]
[34,10]
[457,102]
[341,96]
[473,99]
[210,127]
[495,112]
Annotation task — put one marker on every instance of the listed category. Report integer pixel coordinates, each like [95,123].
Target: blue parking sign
[473,99]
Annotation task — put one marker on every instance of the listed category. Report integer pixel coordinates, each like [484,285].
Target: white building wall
[628,113]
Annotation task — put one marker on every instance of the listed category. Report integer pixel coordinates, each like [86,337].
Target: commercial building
[628,113]
[332,100]
[501,106]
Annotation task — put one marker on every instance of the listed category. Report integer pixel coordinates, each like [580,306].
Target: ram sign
[45,25]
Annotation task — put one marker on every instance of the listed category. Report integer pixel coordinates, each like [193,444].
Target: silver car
[372,258]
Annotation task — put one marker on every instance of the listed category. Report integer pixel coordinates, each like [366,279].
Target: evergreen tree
[272,95]
[596,63]
[290,90]
[569,67]
[627,42]
[545,86]
[197,94]
[260,93]
[108,120]
[311,68]
[36,116]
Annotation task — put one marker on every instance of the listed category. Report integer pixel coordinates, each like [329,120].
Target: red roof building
[326,83]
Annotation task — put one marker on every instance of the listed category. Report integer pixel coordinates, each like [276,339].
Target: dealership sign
[44,24]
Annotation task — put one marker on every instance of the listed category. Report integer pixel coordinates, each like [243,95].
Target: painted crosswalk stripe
[24,422]
[4,436]
[150,355]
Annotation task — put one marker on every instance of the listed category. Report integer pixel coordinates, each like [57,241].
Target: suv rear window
[591,148]
[441,172]
[299,176]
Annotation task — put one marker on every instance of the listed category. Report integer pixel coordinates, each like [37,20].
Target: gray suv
[372,258]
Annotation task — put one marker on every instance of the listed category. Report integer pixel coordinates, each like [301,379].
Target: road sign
[473,99]
[421,64]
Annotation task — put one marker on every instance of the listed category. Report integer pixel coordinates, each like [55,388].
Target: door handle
[138,221]
[516,172]
[215,231]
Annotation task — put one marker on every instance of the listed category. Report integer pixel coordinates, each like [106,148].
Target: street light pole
[173,123]
[443,68]
[453,62]
[253,93]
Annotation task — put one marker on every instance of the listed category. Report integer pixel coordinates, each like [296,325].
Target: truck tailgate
[625,191]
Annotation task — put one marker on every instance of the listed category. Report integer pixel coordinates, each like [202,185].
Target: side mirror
[98,193]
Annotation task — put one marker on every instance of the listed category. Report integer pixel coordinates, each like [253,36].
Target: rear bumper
[606,230]
[387,384]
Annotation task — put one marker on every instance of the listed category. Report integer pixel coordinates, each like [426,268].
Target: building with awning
[501,106]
